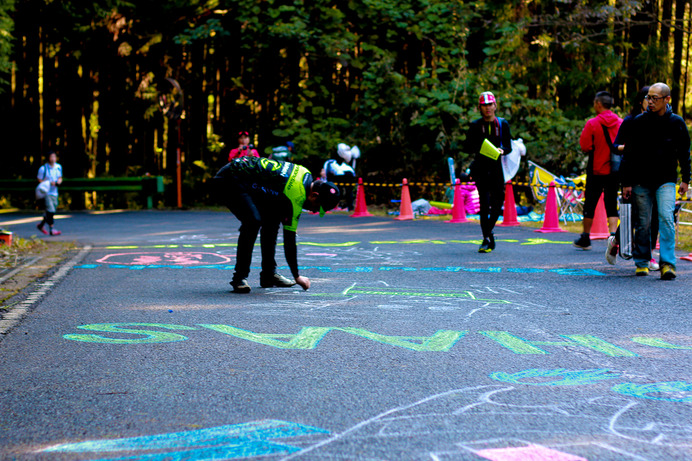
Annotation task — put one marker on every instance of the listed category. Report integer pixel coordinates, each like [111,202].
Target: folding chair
[569,200]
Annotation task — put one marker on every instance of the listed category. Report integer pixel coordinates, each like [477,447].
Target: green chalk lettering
[599,345]
[657,342]
[152,336]
[513,343]
[440,341]
[306,338]
[522,346]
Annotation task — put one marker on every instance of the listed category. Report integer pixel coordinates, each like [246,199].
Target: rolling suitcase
[625,230]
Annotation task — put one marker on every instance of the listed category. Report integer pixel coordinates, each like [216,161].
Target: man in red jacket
[599,179]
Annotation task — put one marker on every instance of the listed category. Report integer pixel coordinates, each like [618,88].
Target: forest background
[398,78]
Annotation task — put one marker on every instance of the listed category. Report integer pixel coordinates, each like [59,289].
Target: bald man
[657,144]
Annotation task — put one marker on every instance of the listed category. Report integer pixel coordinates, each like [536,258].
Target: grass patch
[20,248]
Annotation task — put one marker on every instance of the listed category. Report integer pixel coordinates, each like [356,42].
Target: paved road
[409,346]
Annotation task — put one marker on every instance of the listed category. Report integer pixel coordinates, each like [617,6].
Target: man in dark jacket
[486,171]
[658,142]
[262,194]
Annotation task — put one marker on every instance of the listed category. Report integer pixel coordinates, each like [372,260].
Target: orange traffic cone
[551,222]
[509,215]
[458,208]
[361,209]
[405,212]
[599,228]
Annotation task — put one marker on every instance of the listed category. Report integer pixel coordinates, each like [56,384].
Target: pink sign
[177,258]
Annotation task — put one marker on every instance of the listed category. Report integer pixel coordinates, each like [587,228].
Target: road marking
[13,316]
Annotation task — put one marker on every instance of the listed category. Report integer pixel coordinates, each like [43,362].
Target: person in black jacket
[486,172]
[656,144]
[264,194]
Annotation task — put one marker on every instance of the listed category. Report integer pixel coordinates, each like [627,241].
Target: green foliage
[6,28]
[398,78]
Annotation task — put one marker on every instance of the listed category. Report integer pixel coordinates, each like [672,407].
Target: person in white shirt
[52,172]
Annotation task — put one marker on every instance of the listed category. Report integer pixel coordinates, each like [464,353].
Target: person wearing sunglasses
[244,149]
[264,194]
[656,145]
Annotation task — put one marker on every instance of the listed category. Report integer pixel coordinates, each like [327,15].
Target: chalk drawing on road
[177,258]
[225,442]
[565,271]
[556,377]
[228,240]
[503,421]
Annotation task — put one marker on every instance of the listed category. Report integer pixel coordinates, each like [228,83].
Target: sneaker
[641,271]
[667,272]
[612,249]
[653,265]
[583,242]
[55,232]
[40,227]
[240,286]
[276,281]
[485,246]
[492,242]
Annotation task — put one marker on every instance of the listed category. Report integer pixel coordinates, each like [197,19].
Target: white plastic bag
[511,161]
[42,189]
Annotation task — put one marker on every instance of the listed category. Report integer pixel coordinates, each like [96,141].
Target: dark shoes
[276,280]
[667,272]
[583,242]
[240,286]
[488,244]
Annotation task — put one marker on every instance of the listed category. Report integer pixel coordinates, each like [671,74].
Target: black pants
[491,195]
[252,223]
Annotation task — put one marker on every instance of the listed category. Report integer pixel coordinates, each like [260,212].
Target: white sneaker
[612,250]
[653,265]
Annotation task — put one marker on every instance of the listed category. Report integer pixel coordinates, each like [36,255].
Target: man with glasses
[596,139]
[657,143]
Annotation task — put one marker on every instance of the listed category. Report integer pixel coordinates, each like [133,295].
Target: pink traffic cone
[599,228]
[551,222]
[458,208]
[509,214]
[361,209]
[405,211]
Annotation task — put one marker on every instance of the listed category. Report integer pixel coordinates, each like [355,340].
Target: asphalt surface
[410,345]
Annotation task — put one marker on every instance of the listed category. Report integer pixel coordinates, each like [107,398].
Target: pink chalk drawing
[527,453]
[177,258]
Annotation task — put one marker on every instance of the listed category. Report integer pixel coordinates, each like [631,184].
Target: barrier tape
[447,184]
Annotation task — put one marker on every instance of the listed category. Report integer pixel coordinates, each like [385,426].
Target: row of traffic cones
[551,222]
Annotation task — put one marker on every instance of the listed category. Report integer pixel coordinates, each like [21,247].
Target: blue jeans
[644,197]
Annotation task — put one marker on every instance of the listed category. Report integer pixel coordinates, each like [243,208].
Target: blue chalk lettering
[566,377]
[678,391]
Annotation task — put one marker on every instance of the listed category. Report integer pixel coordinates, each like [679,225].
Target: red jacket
[236,153]
[592,139]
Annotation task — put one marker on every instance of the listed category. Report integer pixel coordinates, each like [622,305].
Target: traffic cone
[509,215]
[599,228]
[361,209]
[551,222]
[458,208]
[405,212]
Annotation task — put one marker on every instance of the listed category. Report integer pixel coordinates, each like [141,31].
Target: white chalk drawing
[473,420]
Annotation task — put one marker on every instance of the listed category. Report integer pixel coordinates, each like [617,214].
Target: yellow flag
[489,150]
